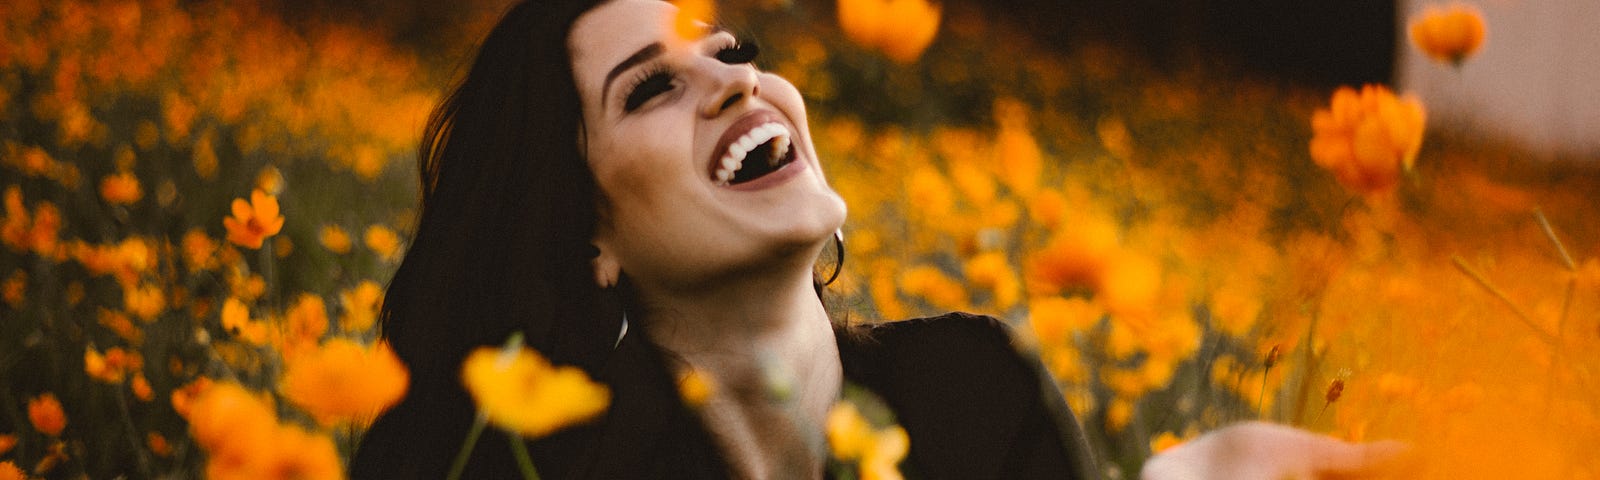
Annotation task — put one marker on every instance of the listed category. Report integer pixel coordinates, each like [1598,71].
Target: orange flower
[253,221]
[158,444]
[361,306]
[1448,34]
[382,241]
[901,29]
[120,188]
[1076,257]
[519,391]
[141,388]
[308,318]
[46,414]
[236,320]
[227,413]
[9,471]
[199,252]
[334,239]
[1365,138]
[690,14]
[345,382]
[7,441]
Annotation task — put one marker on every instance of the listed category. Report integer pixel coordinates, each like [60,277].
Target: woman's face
[705,162]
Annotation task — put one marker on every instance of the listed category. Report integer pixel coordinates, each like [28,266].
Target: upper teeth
[733,160]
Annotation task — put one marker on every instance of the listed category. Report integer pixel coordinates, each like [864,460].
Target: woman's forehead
[614,30]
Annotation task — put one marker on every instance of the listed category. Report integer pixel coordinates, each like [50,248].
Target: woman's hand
[1266,451]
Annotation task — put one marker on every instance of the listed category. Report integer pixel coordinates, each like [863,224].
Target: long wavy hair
[502,245]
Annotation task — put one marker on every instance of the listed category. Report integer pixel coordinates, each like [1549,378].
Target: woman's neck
[769,349]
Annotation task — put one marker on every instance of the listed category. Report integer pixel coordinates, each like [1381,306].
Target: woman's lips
[740,128]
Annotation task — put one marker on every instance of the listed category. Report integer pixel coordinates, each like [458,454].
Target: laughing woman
[596,173]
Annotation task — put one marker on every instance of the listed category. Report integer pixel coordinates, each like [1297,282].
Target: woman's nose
[731,84]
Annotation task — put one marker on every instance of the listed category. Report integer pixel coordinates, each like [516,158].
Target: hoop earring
[838,262]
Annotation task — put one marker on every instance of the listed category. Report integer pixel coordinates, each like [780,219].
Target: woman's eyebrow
[650,51]
[645,54]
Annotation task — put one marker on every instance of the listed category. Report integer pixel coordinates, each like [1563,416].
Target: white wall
[1536,79]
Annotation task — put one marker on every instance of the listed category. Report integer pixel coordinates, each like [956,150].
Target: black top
[974,408]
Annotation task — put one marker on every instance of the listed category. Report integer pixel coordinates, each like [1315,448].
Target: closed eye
[651,84]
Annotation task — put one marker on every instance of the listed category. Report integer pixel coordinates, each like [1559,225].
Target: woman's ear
[606,268]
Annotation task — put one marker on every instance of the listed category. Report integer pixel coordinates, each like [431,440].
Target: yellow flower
[849,434]
[45,412]
[1055,318]
[901,29]
[932,284]
[992,271]
[382,241]
[852,438]
[334,239]
[519,391]
[361,306]
[120,188]
[253,221]
[882,459]
[1448,34]
[1365,138]
[343,381]
[1131,285]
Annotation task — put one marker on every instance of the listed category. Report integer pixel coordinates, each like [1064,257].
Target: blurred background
[1192,211]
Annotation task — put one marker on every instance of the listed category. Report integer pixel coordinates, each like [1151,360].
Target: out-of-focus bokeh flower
[882,460]
[334,239]
[690,14]
[519,391]
[236,320]
[199,251]
[901,29]
[1055,318]
[343,381]
[696,388]
[253,221]
[849,434]
[361,306]
[120,188]
[1448,34]
[7,441]
[383,241]
[308,319]
[45,412]
[851,438]
[225,415]
[9,471]
[1076,257]
[1367,137]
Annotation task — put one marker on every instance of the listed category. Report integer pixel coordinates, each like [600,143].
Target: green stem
[524,461]
[466,448]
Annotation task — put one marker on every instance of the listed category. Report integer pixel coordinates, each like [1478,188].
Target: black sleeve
[973,405]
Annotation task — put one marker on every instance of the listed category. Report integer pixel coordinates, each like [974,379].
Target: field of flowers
[202,203]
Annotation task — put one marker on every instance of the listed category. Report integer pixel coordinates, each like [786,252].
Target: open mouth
[764,149]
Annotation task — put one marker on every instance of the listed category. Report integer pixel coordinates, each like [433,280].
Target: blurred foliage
[1155,235]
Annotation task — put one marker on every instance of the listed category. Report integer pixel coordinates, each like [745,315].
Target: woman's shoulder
[974,403]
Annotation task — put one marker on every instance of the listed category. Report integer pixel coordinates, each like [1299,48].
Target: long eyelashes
[658,79]
[741,52]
